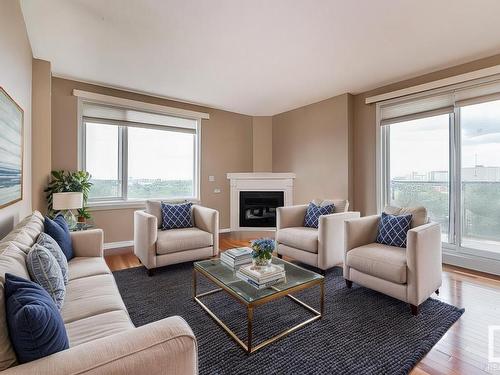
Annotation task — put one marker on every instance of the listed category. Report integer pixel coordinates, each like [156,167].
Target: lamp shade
[67,201]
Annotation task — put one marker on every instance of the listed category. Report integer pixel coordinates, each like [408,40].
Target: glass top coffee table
[297,279]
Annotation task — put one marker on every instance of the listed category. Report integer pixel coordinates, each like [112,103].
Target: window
[134,155]
[441,150]
[421,177]
[480,180]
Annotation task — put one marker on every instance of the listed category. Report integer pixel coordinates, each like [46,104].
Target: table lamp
[66,202]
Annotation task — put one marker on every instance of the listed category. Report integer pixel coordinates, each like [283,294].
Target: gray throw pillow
[45,271]
[51,245]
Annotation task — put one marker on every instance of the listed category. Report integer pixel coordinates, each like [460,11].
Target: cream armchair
[323,247]
[409,274]
[158,248]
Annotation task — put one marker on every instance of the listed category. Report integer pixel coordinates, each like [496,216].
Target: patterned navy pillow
[392,230]
[313,213]
[176,215]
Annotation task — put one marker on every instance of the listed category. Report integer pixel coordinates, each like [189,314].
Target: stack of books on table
[235,258]
[262,277]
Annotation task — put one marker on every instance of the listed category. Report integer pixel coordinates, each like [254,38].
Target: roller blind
[411,109]
[425,105]
[478,93]
[93,112]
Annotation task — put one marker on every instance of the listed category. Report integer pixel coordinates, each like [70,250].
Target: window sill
[139,204]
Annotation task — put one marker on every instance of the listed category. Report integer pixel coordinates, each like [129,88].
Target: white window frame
[123,201]
[454,253]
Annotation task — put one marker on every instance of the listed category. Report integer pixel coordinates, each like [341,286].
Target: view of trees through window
[160,163]
[420,171]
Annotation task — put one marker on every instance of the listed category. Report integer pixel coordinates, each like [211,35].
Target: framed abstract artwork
[11,150]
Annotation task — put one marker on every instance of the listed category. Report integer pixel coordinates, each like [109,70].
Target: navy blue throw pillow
[313,213]
[35,325]
[59,231]
[392,230]
[176,215]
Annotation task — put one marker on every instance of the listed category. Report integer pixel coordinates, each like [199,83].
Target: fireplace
[258,208]
[255,196]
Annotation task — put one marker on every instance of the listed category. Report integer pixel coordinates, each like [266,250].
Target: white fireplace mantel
[257,182]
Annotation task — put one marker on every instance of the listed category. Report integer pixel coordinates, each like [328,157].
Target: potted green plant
[70,181]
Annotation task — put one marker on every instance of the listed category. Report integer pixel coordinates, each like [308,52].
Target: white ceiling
[257,57]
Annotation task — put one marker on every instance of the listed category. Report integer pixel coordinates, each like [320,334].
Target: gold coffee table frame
[250,306]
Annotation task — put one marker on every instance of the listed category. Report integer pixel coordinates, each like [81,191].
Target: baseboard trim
[117,245]
[474,263]
[225,230]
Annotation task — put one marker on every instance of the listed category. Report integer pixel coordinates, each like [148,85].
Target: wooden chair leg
[437,291]
[150,272]
[414,309]
[348,283]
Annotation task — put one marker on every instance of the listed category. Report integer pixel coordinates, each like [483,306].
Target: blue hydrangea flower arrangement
[262,251]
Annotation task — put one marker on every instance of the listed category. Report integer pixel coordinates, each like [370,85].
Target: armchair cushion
[300,238]
[382,261]
[419,214]
[313,213]
[174,240]
[176,215]
[392,230]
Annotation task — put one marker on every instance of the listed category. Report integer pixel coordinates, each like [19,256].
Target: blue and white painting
[11,150]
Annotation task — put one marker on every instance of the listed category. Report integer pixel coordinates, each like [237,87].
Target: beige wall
[15,79]
[365,127]
[41,132]
[315,142]
[226,146]
[262,143]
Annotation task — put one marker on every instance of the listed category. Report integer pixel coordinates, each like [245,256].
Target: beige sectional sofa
[103,339]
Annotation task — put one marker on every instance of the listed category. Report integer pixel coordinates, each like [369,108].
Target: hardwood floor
[462,350]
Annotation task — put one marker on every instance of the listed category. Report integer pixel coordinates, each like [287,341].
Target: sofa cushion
[393,230]
[87,266]
[313,213]
[35,324]
[45,271]
[174,240]
[98,326]
[59,231]
[382,261]
[51,245]
[89,296]
[25,232]
[12,260]
[176,216]
[300,238]
[419,214]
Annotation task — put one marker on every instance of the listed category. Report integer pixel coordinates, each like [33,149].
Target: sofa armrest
[167,346]
[88,243]
[331,238]
[290,216]
[424,261]
[145,236]
[207,219]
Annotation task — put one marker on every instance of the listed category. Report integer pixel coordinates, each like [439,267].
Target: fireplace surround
[255,196]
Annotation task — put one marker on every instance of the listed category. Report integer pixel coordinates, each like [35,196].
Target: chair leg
[414,309]
[437,291]
[348,283]
[150,272]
